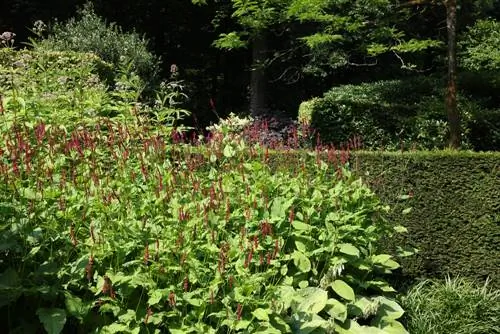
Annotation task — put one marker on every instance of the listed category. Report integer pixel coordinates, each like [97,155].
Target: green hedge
[455,216]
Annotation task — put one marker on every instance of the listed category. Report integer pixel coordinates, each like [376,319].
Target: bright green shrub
[479,46]
[306,110]
[454,220]
[63,88]
[89,33]
[457,306]
[381,112]
[400,113]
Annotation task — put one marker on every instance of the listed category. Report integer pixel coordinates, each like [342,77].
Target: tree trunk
[258,78]
[451,91]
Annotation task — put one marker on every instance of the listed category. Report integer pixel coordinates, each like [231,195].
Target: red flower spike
[171,299]
[89,268]
[149,313]
[239,310]
[146,254]
[186,284]
[92,235]
[276,248]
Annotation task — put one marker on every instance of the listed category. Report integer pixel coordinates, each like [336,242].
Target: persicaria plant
[110,229]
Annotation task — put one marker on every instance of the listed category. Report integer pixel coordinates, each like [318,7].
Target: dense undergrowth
[111,223]
[108,227]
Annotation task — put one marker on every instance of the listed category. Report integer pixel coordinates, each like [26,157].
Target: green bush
[54,87]
[381,112]
[454,220]
[455,306]
[90,33]
[400,113]
[479,46]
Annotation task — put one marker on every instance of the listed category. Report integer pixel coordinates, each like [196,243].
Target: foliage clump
[110,227]
[456,305]
[90,33]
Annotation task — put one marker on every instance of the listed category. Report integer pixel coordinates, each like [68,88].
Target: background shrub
[90,33]
[400,113]
[55,87]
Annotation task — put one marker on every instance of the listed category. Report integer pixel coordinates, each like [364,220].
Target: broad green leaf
[389,309]
[309,326]
[283,270]
[242,324]
[301,262]
[261,314]
[75,306]
[301,247]
[349,249]
[128,316]
[53,319]
[156,297]
[393,327]
[314,302]
[386,261]
[300,226]
[381,285]
[336,309]
[303,284]
[343,289]
[115,328]
[229,151]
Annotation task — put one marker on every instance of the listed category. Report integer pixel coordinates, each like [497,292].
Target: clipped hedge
[455,215]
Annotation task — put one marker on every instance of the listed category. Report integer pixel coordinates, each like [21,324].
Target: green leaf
[343,289]
[336,309]
[53,319]
[389,309]
[115,328]
[386,261]
[261,314]
[301,226]
[310,326]
[349,249]
[229,151]
[406,211]
[242,324]
[301,262]
[155,297]
[75,306]
[314,302]
[301,247]
[400,229]
[393,327]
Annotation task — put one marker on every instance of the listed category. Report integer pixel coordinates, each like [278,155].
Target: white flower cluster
[233,124]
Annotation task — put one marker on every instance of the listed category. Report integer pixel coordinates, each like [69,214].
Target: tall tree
[451,89]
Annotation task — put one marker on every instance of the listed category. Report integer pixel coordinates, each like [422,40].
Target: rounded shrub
[90,33]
